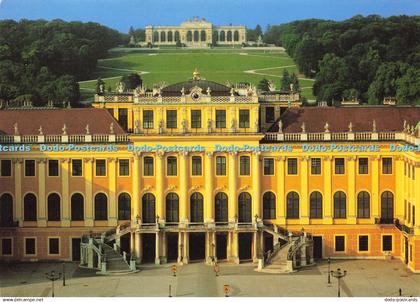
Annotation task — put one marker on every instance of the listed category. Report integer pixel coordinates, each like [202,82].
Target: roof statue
[196,75]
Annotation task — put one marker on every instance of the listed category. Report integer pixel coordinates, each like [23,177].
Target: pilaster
[160,156]
[183,183]
[327,200]
[42,221]
[304,209]
[112,221]
[351,190]
[375,187]
[18,190]
[88,172]
[256,185]
[281,209]
[65,204]
[233,174]
[208,200]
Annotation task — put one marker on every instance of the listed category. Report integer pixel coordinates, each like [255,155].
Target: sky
[121,14]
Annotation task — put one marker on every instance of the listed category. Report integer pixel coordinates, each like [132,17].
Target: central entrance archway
[221,246]
[172,246]
[197,246]
[245,246]
[148,247]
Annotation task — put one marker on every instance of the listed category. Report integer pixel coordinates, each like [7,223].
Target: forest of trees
[43,60]
[366,57]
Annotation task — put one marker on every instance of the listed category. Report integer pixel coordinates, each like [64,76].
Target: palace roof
[339,118]
[216,88]
[52,121]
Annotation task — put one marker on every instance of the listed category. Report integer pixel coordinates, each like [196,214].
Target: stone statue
[350,127]
[64,129]
[374,126]
[136,126]
[233,126]
[291,87]
[327,127]
[232,92]
[87,129]
[209,124]
[280,124]
[208,91]
[303,127]
[111,128]
[256,125]
[15,126]
[271,86]
[184,126]
[120,87]
[40,131]
[101,88]
[160,126]
[183,91]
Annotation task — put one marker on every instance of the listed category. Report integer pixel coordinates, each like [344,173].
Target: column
[42,222]
[235,244]
[303,202]
[18,191]
[375,200]
[233,174]
[180,248]
[399,188]
[351,189]
[88,192]
[255,247]
[112,221]
[183,190]
[136,185]
[157,249]
[208,179]
[159,184]
[208,248]
[163,258]
[281,209]
[137,247]
[65,204]
[186,248]
[327,200]
[256,185]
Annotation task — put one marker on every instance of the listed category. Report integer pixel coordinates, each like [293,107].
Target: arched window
[162,36]
[29,207]
[387,206]
[124,206]
[196,36]
[6,210]
[170,36]
[203,36]
[315,205]
[292,204]
[54,207]
[236,36]
[176,36]
[77,207]
[101,207]
[229,36]
[148,203]
[155,36]
[221,207]
[244,207]
[339,205]
[189,36]
[196,207]
[222,36]
[363,205]
[269,205]
[172,207]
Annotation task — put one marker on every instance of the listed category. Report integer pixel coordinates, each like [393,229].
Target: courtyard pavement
[364,278]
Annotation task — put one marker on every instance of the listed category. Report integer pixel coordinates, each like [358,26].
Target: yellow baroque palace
[199,171]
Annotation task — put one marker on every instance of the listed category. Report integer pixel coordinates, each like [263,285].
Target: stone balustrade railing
[343,136]
[79,138]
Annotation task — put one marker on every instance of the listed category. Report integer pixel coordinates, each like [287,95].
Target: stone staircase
[277,263]
[115,264]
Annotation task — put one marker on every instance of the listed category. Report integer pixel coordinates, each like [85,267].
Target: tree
[408,87]
[285,81]
[131,81]
[263,85]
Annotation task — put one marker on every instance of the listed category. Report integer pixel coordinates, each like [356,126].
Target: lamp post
[64,274]
[338,274]
[52,276]
[329,270]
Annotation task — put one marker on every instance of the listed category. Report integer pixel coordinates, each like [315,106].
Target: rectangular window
[29,167]
[53,246]
[315,166]
[243,118]
[6,246]
[268,166]
[339,166]
[6,167]
[100,167]
[76,167]
[52,167]
[30,248]
[148,169]
[220,165]
[363,165]
[387,165]
[195,119]
[363,243]
[147,119]
[171,119]
[244,166]
[340,242]
[269,114]
[386,243]
[171,166]
[124,167]
[220,118]
[196,166]
[122,118]
[292,166]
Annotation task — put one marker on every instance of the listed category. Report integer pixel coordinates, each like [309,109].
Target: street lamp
[329,270]
[338,274]
[52,276]
[64,274]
